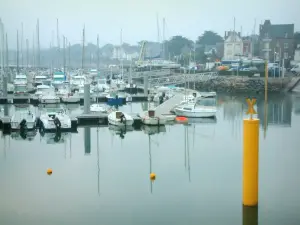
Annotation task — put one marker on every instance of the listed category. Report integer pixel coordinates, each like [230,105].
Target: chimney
[225,35]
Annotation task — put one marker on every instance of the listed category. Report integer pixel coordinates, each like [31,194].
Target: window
[286,45]
[285,34]
[266,35]
[286,55]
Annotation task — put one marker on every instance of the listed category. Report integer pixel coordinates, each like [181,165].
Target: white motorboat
[42,90]
[204,107]
[97,108]
[101,86]
[77,82]
[58,79]
[118,118]
[23,118]
[20,79]
[71,98]
[20,84]
[119,84]
[149,118]
[49,98]
[40,79]
[54,119]
[63,90]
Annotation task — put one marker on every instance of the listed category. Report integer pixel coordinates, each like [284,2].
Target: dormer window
[285,34]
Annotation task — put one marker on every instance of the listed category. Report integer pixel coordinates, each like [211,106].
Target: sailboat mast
[22,32]
[27,53]
[121,50]
[164,39]
[69,57]
[38,43]
[58,45]
[7,54]
[64,46]
[98,52]
[83,50]
[33,52]
[2,48]
[17,51]
[158,30]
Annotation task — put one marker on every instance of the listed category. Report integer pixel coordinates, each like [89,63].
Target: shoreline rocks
[242,84]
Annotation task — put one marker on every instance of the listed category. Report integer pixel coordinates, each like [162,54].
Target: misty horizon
[189,19]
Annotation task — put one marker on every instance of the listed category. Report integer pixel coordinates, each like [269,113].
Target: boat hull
[70,99]
[50,101]
[153,121]
[128,120]
[16,125]
[197,114]
[116,101]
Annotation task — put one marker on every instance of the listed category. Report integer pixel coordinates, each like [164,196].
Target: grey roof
[279,30]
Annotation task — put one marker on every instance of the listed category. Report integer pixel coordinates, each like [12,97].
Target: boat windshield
[20,88]
[207,102]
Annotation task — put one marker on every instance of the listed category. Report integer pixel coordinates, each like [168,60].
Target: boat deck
[167,106]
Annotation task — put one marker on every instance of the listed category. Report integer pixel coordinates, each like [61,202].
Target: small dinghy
[118,118]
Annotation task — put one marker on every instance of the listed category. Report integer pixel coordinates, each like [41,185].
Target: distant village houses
[276,41]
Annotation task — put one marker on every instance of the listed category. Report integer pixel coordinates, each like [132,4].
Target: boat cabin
[40,79]
[20,79]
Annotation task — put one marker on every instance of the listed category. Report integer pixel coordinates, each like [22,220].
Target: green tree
[177,44]
[209,38]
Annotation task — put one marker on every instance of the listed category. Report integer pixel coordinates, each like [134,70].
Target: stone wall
[242,84]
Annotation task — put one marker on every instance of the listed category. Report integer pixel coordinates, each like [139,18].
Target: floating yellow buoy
[49,171]
[152,176]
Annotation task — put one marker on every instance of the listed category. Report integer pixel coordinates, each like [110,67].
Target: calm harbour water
[100,178]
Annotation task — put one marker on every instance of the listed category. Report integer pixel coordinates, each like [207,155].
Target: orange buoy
[181,119]
[49,171]
[152,176]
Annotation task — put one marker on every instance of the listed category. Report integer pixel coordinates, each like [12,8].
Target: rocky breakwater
[242,84]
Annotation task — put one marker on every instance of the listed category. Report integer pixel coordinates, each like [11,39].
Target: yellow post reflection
[250,215]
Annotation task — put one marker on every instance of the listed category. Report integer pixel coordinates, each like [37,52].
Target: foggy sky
[137,18]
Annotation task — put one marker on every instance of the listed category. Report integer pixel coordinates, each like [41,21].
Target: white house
[233,46]
[296,56]
[118,53]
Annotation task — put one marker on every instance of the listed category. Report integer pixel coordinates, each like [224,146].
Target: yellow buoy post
[250,157]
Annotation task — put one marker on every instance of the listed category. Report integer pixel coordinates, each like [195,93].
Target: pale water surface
[198,168]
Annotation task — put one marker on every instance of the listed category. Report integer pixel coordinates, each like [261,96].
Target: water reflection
[250,215]
[98,161]
[87,140]
[213,154]
[278,112]
[187,151]
[120,130]
[54,138]
[296,104]
[27,135]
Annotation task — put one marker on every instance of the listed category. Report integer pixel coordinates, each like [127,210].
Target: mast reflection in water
[87,140]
